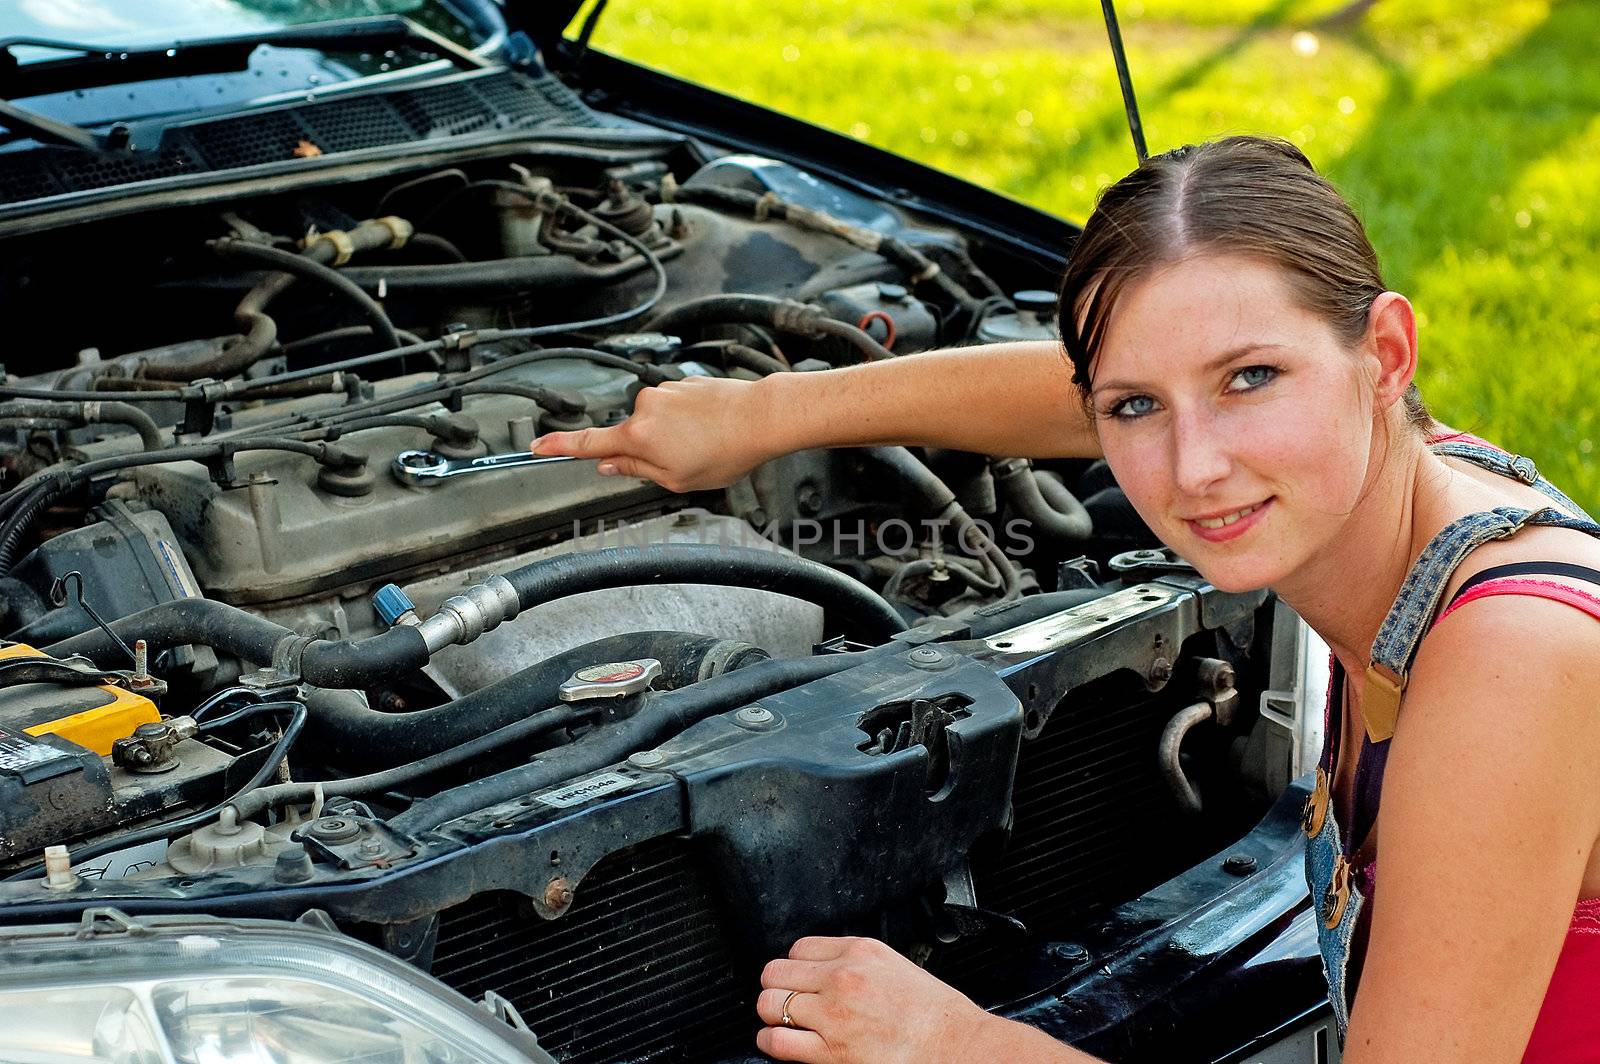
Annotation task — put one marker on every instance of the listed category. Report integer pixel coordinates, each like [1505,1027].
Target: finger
[769,1006]
[582,443]
[794,975]
[819,948]
[624,466]
[782,1043]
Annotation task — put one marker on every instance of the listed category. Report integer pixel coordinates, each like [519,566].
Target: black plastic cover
[50,789]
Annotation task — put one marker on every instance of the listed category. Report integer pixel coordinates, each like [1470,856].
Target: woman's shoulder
[1474,487]
[1513,668]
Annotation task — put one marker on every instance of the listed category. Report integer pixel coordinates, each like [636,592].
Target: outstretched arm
[1014,399]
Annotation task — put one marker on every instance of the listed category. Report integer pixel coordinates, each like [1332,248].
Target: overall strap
[1418,601]
[1515,466]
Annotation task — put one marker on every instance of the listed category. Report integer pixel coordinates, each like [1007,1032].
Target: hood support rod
[1118,53]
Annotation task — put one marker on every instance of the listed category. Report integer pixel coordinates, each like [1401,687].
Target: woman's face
[1240,427]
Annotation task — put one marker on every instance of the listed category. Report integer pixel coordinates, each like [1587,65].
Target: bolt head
[1239,864]
[558,894]
[333,829]
[293,865]
[754,715]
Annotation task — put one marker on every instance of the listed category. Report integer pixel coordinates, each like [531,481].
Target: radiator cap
[611,679]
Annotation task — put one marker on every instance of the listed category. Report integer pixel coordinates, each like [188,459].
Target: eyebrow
[1214,364]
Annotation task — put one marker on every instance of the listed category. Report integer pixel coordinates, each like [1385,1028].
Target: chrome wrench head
[427,467]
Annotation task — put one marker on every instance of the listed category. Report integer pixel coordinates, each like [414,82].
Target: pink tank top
[1568,1028]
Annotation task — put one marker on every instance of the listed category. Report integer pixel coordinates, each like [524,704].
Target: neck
[1345,592]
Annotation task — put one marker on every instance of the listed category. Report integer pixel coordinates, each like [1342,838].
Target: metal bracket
[58,597]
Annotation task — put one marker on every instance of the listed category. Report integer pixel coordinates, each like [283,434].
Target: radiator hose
[1044,503]
[368,738]
[859,610]
[659,717]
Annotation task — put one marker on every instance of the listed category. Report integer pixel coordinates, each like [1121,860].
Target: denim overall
[1340,877]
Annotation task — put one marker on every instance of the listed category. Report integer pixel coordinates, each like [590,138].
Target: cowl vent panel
[500,100]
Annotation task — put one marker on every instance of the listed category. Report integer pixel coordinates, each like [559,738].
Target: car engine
[292,622]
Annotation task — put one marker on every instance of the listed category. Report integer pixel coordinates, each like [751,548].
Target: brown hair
[1253,196]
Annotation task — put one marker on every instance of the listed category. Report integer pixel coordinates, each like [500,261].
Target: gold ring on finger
[788,1020]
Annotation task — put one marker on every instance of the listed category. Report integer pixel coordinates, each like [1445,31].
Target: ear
[1392,343]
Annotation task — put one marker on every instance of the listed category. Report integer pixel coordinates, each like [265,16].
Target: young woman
[1248,377]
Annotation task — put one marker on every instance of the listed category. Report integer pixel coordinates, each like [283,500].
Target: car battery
[54,780]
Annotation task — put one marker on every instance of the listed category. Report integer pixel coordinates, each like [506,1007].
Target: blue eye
[1132,407]
[1251,377]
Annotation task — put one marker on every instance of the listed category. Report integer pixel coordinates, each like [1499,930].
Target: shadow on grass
[1426,170]
[1114,121]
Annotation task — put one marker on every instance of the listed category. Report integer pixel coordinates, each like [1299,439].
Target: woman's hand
[686,435]
[859,1001]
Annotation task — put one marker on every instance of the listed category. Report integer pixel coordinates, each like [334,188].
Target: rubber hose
[549,273]
[322,663]
[871,350]
[434,424]
[344,332]
[64,474]
[19,521]
[939,500]
[1061,517]
[660,716]
[31,422]
[305,266]
[110,413]
[934,494]
[1058,495]
[849,603]
[785,315]
[548,398]
[437,244]
[734,355]
[530,727]
[367,738]
[260,330]
[917,266]
[113,413]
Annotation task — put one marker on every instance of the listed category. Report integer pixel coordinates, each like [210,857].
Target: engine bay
[292,622]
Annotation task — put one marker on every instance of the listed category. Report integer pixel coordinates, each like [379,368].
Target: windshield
[107,90]
[135,23]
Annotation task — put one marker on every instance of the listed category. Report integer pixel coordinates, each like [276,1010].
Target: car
[334,726]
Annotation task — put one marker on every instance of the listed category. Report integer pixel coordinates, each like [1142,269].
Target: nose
[1200,455]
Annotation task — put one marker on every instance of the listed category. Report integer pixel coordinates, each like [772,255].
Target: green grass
[1466,132]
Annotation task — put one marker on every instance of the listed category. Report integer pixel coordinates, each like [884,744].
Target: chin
[1233,574]
[1238,582]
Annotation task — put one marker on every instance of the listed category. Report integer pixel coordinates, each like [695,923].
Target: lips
[1218,527]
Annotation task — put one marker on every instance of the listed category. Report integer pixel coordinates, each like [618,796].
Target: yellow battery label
[97,727]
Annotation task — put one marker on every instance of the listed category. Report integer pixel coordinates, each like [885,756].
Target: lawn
[1466,132]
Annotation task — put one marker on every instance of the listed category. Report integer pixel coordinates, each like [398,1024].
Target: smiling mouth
[1227,519]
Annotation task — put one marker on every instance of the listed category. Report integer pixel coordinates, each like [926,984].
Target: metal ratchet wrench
[425,467]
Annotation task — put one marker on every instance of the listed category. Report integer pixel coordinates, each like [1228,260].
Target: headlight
[199,990]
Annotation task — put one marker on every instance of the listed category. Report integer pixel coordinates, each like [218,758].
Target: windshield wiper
[93,65]
[45,129]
